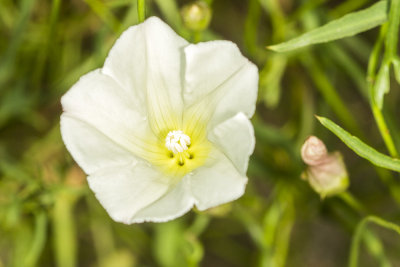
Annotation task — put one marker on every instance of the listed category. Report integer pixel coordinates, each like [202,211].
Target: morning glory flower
[163,125]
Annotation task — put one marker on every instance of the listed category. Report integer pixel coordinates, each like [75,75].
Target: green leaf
[382,85]
[360,148]
[348,25]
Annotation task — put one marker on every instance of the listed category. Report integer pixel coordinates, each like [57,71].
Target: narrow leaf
[382,85]
[360,148]
[348,25]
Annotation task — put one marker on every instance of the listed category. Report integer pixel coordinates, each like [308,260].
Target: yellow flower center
[177,143]
[183,153]
[178,152]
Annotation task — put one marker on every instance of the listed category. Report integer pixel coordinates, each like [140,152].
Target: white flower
[163,125]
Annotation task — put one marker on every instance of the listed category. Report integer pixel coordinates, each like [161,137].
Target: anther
[177,141]
[188,155]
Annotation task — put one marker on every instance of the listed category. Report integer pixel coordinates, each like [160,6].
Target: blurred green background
[49,217]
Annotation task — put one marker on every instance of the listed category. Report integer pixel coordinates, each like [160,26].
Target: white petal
[91,149]
[219,76]
[208,66]
[125,190]
[172,205]
[235,137]
[217,183]
[100,102]
[147,60]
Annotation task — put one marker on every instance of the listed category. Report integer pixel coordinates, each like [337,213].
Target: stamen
[177,141]
[188,155]
[181,160]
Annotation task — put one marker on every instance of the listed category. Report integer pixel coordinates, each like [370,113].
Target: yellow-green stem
[350,200]
[141,6]
[384,130]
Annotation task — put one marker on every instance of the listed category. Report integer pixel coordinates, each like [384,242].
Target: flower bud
[196,16]
[313,151]
[326,172]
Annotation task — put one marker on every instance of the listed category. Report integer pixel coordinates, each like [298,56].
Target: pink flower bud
[326,173]
[313,151]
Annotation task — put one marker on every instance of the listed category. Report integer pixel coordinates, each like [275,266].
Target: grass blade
[345,26]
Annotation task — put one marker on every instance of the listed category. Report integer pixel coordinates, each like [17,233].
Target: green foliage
[361,228]
[382,84]
[346,26]
[362,149]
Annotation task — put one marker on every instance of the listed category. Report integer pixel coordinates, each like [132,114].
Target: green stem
[39,240]
[64,232]
[350,200]
[355,244]
[372,242]
[141,10]
[371,77]
[200,224]
[374,57]
[385,176]
[101,232]
[384,130]
[393,29]
[197,37]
